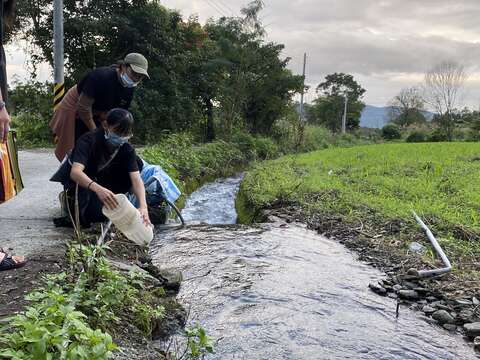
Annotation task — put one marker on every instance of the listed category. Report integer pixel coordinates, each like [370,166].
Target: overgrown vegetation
[379,185]
[63,314]
[30,103]
[74,313]
[187,161]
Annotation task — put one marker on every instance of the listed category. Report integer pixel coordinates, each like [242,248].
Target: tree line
[441,92]
[210,79]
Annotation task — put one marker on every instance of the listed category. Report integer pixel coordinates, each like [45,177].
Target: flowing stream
[280,291]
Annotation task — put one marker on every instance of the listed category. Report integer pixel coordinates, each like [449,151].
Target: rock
[417,248]
[392,296]
[134,268]
[432,298]
[421,291]
[472,330]
[173,321]
[475,301]
[413,272]
[409,285]
[386,282]
[397,287]
[408,294]
[377,289]
[443,317]
[450,327]
[395,279]
[476,343]
[440,305]
[428,310]
[170,279]
[463,302]
[422,302]
[466,315]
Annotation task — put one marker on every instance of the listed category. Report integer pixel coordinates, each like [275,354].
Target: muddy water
[280,291]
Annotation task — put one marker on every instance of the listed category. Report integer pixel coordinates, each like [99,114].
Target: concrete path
[26,225]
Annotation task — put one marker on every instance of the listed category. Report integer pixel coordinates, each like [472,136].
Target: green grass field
[379,183]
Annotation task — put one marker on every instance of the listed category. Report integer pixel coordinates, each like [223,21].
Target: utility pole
[344,118]
[58,60]
[302,118]
[301,123]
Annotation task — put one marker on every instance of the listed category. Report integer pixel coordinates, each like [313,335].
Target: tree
[257,87]
[223,70]
[443,86]
[391,132]
[406,108]
[328,107]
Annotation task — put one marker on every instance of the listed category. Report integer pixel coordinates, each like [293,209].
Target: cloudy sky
[385,44]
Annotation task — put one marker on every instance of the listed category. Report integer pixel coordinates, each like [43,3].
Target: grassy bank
[374,188]
[190,163]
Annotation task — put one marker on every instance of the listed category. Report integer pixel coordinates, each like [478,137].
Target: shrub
[438,135]
[246,144]
[315,138]
[416,136]
[266,148]
[32,130]
[391,132]
[31,107]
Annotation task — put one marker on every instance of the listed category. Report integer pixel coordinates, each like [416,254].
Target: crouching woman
[105,164]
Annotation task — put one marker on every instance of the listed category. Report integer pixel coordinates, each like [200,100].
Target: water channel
[280,291]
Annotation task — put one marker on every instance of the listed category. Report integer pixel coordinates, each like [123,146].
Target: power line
[225,6]
[216,8]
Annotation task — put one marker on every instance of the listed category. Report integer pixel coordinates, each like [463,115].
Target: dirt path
[26,228]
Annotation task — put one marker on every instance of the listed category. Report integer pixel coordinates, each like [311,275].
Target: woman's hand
[106,196]
[4,125]
[144,214]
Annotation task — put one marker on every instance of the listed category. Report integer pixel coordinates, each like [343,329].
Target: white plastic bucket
[128,220]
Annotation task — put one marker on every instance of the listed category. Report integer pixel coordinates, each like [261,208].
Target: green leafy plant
[60,322]
[198,343]
[52,328]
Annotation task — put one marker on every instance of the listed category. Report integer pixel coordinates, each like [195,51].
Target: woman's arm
[139,191]
[106,196]
[4,122]
[84,109]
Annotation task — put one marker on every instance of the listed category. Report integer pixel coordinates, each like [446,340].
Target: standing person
[7,261]
[86,104]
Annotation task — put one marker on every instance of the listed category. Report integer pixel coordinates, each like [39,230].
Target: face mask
[115,140]
[126,81]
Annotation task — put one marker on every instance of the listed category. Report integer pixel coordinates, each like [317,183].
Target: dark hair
[121,121]
[8,12]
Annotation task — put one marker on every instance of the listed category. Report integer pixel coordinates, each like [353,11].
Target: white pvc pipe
[438,249]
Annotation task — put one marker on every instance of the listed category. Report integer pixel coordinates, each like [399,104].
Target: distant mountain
[377,117]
